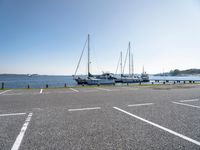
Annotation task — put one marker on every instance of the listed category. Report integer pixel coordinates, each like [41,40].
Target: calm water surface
[40,81]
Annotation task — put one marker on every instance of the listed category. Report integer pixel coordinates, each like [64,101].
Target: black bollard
[193,81]
[163,82]
[174,82]
[2,85]
[65,85]
[47,86]
[152,83]
[184,82]
[28,86]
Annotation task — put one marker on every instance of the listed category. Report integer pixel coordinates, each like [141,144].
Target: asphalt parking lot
[128,117]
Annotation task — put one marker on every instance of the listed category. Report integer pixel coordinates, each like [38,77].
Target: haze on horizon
[47,36]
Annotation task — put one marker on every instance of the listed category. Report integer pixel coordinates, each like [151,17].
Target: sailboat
[130,78]
[144,76]
[90,79]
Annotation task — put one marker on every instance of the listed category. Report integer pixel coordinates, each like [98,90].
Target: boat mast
[129,51]
[132,64]
[121,62]
[143,69]
[88,55]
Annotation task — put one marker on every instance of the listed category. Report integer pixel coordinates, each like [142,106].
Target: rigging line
[81,57]
[125,61]
[118,64]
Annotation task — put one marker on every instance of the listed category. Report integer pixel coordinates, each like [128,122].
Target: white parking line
[80,109]
[129,88]
[41,91]
[88,91]
[103,89]
[189,100]
[144,104]
[73,89]
[37,108]
[160,127]
[186,104]
[4,91]
[13,114]
[19,138]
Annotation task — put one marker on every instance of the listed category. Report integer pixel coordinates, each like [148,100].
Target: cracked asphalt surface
[53,126]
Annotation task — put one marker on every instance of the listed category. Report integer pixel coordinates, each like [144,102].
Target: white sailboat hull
[95,81]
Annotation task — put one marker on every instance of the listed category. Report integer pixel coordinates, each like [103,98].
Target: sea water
[35,81]
[40,81]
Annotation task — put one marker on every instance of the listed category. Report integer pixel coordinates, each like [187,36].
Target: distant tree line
[177,72]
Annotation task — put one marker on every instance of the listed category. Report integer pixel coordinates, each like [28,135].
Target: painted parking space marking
[82,109]
[19,138]
[160,127]
[88,91]
[194,106]
[144,104]
[75,90]
[12,114]
[5,91]
[129,88]
[103,89]
[37,109]
[189,100]
[41,91]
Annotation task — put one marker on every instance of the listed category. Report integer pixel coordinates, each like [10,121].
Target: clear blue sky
[47,36]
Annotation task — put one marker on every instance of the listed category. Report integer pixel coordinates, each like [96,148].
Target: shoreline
[153,86]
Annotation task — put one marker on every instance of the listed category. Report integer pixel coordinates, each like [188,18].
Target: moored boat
[130,78]
[144,76]
[92,79]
